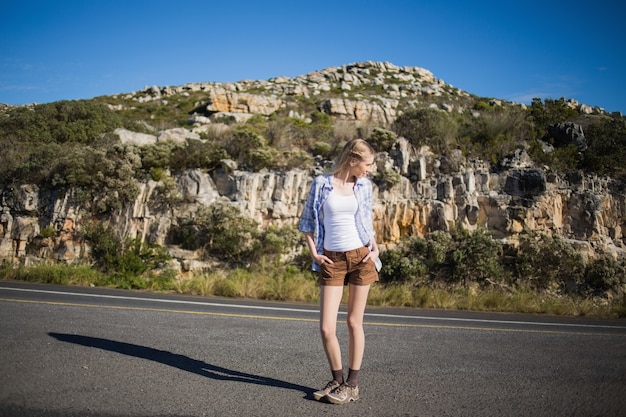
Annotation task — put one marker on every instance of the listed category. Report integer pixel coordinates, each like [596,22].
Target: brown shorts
[347,267]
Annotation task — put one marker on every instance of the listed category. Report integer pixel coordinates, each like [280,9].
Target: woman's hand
[317,258]
[373,255]
[322,259]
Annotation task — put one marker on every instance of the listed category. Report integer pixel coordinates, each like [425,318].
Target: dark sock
[353,377]
[338,376]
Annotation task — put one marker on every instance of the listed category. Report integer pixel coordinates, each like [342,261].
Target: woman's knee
[328,331]
[355,324]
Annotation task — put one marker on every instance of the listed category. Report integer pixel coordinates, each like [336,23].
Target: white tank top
[341,234]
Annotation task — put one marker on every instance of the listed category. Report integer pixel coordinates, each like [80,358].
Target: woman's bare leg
[357,301]
[330,299]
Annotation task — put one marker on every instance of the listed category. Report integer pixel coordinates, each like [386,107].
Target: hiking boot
[318,395]
[343,394]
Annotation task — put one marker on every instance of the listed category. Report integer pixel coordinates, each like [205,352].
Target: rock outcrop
[364,91]
[434,193]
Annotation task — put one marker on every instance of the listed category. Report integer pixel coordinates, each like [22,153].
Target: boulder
[135,138]
[568,133]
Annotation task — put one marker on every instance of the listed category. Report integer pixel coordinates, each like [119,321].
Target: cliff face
[434,193]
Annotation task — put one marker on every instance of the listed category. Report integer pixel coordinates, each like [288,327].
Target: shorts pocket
[326,271]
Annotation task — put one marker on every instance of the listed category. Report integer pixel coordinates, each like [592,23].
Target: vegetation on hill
[71,145]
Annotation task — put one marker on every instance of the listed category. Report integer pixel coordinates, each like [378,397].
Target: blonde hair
[357,149]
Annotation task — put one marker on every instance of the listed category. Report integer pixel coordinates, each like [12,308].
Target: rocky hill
[430,191]
[367,91]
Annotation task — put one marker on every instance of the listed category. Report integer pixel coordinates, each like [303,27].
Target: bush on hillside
[32,138]
[606,153]
[80,121]
[221,231]
[127,259]
[548,263]
[460,257]
[540,262]
[382,139]
[294,133]
[196,154]
[603,275]
[492,136]
[476,257]
[549,112]
[405,263]
[426,126]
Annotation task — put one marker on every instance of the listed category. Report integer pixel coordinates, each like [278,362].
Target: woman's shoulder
[322,179]
[364,181]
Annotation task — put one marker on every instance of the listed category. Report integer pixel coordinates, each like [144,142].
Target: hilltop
[364,91]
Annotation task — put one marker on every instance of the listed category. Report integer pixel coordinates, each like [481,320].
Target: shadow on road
[178,361]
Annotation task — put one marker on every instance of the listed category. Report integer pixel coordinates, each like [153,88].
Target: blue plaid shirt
[312,220]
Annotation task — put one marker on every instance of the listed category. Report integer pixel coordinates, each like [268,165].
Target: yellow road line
[252,316]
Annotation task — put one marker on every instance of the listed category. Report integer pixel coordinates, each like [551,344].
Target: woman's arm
[318,258]
[374,252]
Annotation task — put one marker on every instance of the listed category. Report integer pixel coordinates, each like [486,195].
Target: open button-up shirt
[312,219]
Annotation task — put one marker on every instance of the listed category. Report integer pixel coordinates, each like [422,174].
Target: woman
[337,223]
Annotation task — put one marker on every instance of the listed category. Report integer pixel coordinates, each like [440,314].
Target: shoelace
[331,384]
[342,389]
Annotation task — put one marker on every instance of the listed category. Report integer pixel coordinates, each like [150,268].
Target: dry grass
[290,284]
[260,285]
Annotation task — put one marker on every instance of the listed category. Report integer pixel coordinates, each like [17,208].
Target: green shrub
[278,241]
[220,231]
[426,126]
[158,174]
[548,263]
[258,159]
[322,149]
[289,132]
[156,156]
[460,257]
[548,112]
[80,121]
[197,155]
[407,263]
[602,275]
[476,257]
[257,123]
[31,164]
[386,178]
[607,147]
[540,262]
[483,106]
[565,159]
[126,260]
[104,176]
[382,139]
[402,267]
[494,135]
[48,232]
[249,148]
[437,248]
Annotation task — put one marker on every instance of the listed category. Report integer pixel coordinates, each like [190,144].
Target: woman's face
[361,168]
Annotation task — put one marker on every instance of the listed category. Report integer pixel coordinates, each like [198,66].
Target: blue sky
[513,50]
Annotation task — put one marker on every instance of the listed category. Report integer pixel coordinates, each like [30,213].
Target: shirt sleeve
[307,220]
[367,208]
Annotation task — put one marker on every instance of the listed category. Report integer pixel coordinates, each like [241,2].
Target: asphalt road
[67,351]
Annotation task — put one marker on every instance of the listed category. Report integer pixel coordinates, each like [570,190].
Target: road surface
[70,351]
